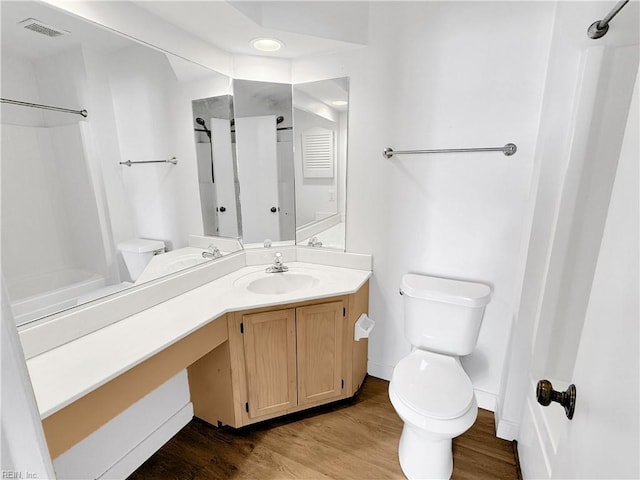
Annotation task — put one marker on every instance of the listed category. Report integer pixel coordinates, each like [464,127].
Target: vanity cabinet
[281,360]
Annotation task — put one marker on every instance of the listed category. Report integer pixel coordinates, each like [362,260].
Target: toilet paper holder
[363,327]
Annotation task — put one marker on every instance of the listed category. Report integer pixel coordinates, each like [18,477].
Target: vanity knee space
[280,360]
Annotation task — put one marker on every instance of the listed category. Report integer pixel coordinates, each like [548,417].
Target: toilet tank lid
[469,294]
[141,245]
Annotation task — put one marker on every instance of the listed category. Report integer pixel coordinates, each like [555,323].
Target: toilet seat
[432,385]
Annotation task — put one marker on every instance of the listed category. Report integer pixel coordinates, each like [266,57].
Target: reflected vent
[317,153]
[42,28]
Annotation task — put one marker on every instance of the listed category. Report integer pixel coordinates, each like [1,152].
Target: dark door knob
[546,394]
[223,209]
[274,209]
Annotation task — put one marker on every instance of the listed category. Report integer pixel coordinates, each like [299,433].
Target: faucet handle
[267,243]
[278,266]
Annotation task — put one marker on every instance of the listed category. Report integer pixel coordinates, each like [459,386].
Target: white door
[588,329]
[602,440]
[222,151]
[258,175]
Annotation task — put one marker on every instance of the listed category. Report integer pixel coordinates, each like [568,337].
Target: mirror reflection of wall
[217,166]
[320,117]
[264,145]
[70,210]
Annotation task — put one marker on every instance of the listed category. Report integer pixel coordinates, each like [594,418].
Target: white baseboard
[486,400]
[506,429]
[380,371]
[141,452]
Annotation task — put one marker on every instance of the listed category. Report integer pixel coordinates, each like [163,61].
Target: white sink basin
[276,283]
[184,261]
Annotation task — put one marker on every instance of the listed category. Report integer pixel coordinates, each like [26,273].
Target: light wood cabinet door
[270,357]
[319,332]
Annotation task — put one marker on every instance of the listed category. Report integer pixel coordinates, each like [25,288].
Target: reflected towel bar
[599,28]
[509,149]
[171,160]
[44,107]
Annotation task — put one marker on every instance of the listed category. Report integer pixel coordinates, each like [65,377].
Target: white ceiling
[216,22]
[328,27]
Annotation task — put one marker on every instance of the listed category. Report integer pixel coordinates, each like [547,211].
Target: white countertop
[70,371]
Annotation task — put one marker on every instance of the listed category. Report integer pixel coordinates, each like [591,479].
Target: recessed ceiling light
[339,103]
[266,44]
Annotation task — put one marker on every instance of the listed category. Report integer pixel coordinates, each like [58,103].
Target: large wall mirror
[264,145]
[174,164]
[77,222]
[320,119]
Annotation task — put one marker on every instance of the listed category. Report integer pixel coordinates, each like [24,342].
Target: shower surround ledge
[66,373]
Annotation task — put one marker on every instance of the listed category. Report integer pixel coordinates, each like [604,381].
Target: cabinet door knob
[274,209]
[546,394]
[223,209]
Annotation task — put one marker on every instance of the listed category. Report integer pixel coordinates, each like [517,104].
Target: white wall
[455,83]
[19,82]
[62,80]
[154,121]
[105,143]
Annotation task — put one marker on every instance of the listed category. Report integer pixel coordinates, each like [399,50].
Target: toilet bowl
[429,389]
[434,397]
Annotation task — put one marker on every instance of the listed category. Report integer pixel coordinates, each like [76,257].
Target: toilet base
[423,455]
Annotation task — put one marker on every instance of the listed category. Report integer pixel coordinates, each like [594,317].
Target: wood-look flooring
[356,439]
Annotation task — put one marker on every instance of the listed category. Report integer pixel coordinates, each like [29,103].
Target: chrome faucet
[213,252]
[314,242]
[278,266]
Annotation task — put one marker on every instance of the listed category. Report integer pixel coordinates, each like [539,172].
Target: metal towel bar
[44,107]
[171,160]
[509,149]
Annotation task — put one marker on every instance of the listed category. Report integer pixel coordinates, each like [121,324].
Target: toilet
[429,389]
[138,252]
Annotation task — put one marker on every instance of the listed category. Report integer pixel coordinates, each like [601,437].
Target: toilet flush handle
[546,394]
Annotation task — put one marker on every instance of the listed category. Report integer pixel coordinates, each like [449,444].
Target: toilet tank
[138,252]
[443,315]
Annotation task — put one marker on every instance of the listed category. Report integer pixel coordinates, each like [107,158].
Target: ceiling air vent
[42,28]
